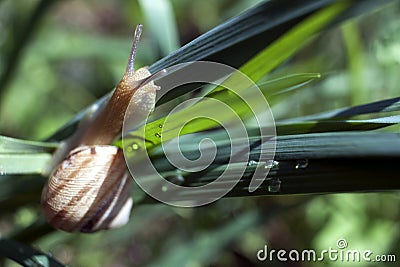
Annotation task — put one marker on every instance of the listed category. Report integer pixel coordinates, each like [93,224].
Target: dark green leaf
[306,163]
[283,128]
[387,105]
[25,255]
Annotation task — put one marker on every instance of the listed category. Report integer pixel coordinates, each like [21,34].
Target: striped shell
[89,191]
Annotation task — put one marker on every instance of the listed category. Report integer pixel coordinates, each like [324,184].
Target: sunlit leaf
[23,157]
[255,69]
[157,13]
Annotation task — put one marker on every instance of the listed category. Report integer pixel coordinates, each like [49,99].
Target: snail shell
[90,190]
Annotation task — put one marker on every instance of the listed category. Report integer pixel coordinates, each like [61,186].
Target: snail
[90,189]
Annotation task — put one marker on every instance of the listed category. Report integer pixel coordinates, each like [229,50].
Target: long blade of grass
[287,84]
[259,27]
[23,163]
[284,47]
[308,163]
[387,105]
[329,176]
[255,69]
[240,38]
[283,128]
[26,255]
[23,157]
[13,145]
[292,147]
[160,12]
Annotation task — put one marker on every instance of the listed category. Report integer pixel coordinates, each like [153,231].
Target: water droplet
[302,164]
[157,135]
[176,179]
[2,172]
[160,126]
[274,185]
[252,163]
[272,164]
[164,188]
[135,146]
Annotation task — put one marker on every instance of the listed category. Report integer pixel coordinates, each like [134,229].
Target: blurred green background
[77,52]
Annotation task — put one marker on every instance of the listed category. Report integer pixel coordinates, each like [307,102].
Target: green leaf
[161,21]
[12,145]
[287,83]
[291,147]
[291,42]
[283,128]
[388,105]
[23,163]
[23,157]
[306,163]
[255,69]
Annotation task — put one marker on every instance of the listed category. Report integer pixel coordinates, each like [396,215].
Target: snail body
[90,189]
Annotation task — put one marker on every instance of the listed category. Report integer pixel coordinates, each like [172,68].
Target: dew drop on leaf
[135,146]
[301,164]
[274,185]
[272,164]
[252,163]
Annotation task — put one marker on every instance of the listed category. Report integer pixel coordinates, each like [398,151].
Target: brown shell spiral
[89,191]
